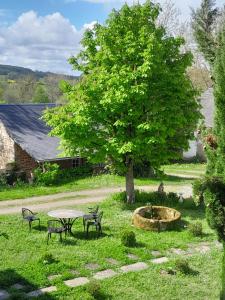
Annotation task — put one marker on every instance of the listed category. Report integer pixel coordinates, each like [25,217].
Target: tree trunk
[130,181]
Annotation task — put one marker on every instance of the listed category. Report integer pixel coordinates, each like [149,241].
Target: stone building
[25,140]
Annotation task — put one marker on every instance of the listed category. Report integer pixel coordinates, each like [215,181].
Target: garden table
[66,216]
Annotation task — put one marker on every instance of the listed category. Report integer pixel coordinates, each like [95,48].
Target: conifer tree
[203,25]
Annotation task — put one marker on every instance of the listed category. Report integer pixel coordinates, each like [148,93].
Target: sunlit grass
[23,253]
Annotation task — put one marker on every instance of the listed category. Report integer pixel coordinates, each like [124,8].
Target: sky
[43,34]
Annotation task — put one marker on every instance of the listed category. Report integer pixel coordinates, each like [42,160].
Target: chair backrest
[54,224]
[93,210]
[99,217]
[26,212]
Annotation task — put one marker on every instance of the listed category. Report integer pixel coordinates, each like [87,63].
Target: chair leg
[87,230]
[30,224]
[48,238]
[99,229]
[84,224]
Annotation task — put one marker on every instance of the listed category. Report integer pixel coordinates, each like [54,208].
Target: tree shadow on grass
[9,277]
[5,235]
[92,235]
[41,228]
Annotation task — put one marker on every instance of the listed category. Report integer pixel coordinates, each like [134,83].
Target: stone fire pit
[155,218]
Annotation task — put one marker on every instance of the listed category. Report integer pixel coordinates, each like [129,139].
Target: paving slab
[112,261]
[104,274]
[54,276]
[203,249]
[76,281]
[156,253]
[74,272]
[42,291]
[160,260]
[92,266]
[132,256]
[4,295]
[177,251]
[18,286]
[134,267]
[219,245]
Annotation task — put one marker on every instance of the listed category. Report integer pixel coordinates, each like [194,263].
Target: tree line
[30,88]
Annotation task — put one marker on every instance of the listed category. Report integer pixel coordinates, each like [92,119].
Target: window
[76,162]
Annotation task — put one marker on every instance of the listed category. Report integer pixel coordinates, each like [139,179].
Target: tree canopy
[203,25]
[134,100]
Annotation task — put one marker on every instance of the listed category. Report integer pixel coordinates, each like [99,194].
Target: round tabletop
[66,213]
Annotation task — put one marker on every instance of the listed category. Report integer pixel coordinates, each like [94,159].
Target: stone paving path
[201,248]
[68,199]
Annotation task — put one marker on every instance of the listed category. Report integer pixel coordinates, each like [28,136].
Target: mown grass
[22,256]
[191,169]
[92,182]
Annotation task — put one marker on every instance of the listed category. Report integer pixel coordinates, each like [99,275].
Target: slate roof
[25,127]
[208,107]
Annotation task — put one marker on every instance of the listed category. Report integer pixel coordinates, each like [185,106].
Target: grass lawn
[22,256]
[93,182]
[191,169]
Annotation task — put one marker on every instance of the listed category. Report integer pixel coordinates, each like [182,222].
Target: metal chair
[29,216]
[92,215]
[55,226]
[95,222]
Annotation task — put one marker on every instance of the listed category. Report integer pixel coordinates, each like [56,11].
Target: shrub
[3,180]
[94,289]
[47,175]
[195,229]
[128,239]
[85,170]
[212,192]
[153,198]
[47,259]
[172,197]
[182,266]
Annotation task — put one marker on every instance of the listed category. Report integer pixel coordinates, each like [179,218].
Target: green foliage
[40,95]
[195,229]
[3,180]
[182,266]
[134,96]
[128,238]
[153,198]
[217,154]
[203,25]
[212,191]
[47,174]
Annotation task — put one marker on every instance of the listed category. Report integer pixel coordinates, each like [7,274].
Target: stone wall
[7,153]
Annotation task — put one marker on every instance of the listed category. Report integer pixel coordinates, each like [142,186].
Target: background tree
[216,151]
[40,94]
[134,100]
[204,25]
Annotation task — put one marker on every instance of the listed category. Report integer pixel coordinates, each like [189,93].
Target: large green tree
[203,25]
[134,101]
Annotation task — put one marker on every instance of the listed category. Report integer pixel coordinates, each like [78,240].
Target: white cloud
[41,43]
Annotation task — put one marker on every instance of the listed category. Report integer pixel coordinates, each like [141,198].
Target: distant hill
[13,72]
